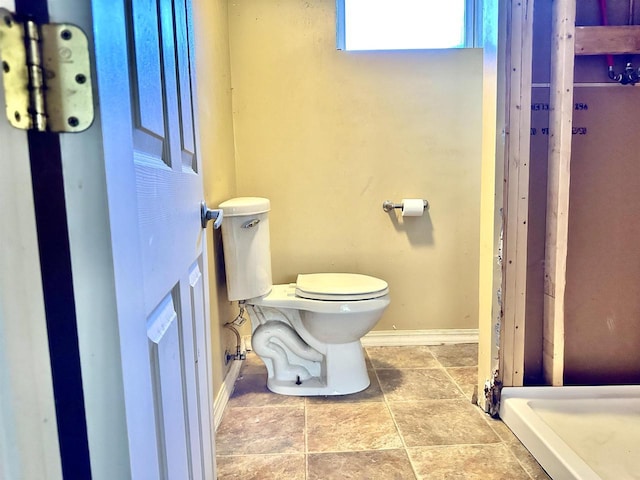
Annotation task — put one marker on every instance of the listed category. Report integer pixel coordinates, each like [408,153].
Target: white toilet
[307,333]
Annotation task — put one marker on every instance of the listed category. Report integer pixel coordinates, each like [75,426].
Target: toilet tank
[247,251]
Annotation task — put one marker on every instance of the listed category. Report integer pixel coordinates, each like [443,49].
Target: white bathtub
[578,432]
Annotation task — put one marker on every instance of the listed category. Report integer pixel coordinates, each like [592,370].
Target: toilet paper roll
[412,207]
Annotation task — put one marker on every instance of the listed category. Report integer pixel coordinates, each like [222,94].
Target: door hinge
[47,75]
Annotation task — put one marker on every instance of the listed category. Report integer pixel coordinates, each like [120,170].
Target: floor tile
[415,420]
[253,365]
[466,462]
[466,378]
[458,355]
[498,426]
[369,465]
[251,391]
[350,427]
[261,467]
[367,360]
[373,393]
[441,422]
[254,430]
[464,375]
[528,461]
[408,385]
[402,357]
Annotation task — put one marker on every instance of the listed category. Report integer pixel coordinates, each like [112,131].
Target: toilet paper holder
[388,206]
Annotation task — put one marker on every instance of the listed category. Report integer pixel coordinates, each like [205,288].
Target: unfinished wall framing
[582,265]
[558,179]
[516,191]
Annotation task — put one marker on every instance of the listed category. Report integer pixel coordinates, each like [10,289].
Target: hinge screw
[73,121]
[65,34]
[5,67]
[80,78]
[16,115]
[7,20]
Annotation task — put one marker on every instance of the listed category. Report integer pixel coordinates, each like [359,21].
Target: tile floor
[415,421]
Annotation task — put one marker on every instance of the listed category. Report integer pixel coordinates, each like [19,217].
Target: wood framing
[516,192]
[613,40]
[494,29]
[559,158]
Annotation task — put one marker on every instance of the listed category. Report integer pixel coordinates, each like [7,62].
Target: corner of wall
[217,151]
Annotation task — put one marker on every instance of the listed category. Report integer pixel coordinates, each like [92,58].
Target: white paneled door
[172,401]
[130,192]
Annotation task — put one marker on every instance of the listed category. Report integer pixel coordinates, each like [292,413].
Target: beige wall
[328,136]
[216,150]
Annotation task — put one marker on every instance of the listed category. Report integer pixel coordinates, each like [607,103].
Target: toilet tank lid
[236,207]
[340,286]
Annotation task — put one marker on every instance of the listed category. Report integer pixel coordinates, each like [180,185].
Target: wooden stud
[493,42]
[616,40]
[516,194]
[559,158]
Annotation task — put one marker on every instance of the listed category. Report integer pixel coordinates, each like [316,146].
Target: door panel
[190,361]
[170,232]
[202,354]
[184,88]
[169,71]
[163,327]
[171,241]
[146,72]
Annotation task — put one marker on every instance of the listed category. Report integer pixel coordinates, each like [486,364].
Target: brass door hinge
[47,75]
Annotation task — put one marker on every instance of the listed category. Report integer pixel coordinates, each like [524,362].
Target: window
[405,24]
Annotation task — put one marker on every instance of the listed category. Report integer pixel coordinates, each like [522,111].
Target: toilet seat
[340,287]
[284,296]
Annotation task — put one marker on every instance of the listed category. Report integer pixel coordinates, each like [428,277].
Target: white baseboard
[401,338]
[222,398]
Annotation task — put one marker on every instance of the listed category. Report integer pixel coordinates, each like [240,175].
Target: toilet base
[344,372]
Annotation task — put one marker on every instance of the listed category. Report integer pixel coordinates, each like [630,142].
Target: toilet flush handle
[251,223]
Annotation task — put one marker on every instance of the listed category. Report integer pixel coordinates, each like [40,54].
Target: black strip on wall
[57,284]
[59,303]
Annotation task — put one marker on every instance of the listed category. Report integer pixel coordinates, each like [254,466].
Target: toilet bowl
[307,333]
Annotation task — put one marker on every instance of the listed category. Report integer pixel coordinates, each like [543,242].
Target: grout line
[276,405]
[390,449]
[306,441]
[457,384]
[374,372]
[395,423]
[412,368]
[517,458]
[507,443]
[272,454]
[387,402]
[449,445]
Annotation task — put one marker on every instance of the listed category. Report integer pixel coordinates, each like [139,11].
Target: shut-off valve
[630,76]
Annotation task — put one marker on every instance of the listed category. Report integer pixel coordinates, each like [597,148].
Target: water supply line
[604,21]
[630,76]
[236,322]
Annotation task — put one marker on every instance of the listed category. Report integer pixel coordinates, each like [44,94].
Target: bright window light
[403,24]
